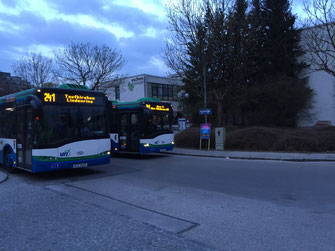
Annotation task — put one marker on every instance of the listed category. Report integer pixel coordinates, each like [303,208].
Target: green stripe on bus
[52,159]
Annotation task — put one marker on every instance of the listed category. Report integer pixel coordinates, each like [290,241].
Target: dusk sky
[135,27]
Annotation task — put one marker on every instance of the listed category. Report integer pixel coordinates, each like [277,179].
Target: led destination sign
[51,97]
[156,107]
[79,99]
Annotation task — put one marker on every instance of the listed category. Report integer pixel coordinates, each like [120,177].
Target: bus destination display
[51,97]
[158,107]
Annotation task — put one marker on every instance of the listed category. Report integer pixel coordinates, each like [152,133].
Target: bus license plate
[79,165]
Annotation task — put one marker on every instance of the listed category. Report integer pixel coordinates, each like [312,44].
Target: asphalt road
[173,203]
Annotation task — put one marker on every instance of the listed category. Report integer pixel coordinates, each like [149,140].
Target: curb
[3,177]
[251,158]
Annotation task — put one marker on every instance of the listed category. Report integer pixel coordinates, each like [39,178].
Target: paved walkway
[3,176]
[256,155]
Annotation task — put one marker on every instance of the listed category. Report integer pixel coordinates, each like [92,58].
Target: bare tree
[83,63]
[184,16]
[319,35]
[34,68]
[113,86]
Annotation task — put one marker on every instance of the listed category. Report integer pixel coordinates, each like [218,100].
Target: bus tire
[7,163]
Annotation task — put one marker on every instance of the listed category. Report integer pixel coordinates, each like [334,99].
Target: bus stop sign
[205,131]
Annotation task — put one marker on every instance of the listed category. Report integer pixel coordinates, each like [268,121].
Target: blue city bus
[45,129]
[142,126]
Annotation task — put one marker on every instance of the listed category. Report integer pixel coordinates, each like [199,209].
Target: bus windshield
[157,123]
[61,124]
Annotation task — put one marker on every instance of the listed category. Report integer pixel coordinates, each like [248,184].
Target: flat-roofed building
[10,84]
[144,85]
[323,84]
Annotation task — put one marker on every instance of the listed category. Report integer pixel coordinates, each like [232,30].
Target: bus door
[24,137]
[129,131]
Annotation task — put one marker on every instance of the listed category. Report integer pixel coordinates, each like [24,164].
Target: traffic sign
[205,111]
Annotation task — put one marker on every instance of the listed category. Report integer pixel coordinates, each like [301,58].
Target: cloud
[129,18]
[136,27]
[43,26]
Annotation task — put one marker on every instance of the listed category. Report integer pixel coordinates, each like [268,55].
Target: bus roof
[136,102]
[22,95]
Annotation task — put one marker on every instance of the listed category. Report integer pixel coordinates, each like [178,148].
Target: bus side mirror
[35,102]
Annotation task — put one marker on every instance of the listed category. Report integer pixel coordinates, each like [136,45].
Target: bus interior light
[115,148]
[146,145]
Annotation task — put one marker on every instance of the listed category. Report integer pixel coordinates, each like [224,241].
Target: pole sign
[205,111]
[205,131]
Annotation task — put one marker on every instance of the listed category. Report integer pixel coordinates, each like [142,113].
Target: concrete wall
[321,82]
[324,101]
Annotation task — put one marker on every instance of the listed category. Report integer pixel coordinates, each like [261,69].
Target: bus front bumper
[45,166]
[148,148]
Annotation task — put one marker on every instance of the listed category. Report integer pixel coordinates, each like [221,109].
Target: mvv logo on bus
[66,153]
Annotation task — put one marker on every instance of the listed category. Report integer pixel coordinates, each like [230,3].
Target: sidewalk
[255,155]
[3,176]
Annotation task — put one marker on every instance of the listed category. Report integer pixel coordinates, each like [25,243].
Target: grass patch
[313,139]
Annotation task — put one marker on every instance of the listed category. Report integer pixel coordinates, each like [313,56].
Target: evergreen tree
[239,49]
[282,40]
[255,43]
[249,60]
[193,72]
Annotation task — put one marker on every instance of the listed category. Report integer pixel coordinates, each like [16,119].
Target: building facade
[323,84]
[323,111]
[10,84]
[141,86]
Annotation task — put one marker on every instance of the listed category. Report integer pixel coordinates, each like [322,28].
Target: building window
[117,92]
[164,91]
[154,90]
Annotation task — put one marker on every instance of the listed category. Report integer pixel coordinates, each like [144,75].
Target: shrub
[266,139]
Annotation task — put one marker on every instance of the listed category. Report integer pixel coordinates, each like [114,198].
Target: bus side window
[134,125]
[114,121]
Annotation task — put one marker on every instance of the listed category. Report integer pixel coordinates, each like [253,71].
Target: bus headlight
[108,153]
[146,145]
[172,142]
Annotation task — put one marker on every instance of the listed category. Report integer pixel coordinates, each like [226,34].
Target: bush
[253,138]
[266,139]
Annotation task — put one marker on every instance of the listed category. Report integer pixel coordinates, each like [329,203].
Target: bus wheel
[8,163]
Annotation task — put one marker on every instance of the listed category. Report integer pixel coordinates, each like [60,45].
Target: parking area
[218,203]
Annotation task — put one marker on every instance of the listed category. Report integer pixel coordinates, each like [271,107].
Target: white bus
[44,129]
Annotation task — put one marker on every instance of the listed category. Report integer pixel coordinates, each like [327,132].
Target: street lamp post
[205,89]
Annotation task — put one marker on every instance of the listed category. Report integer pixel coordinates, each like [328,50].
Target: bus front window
[63,124]
[157,123]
